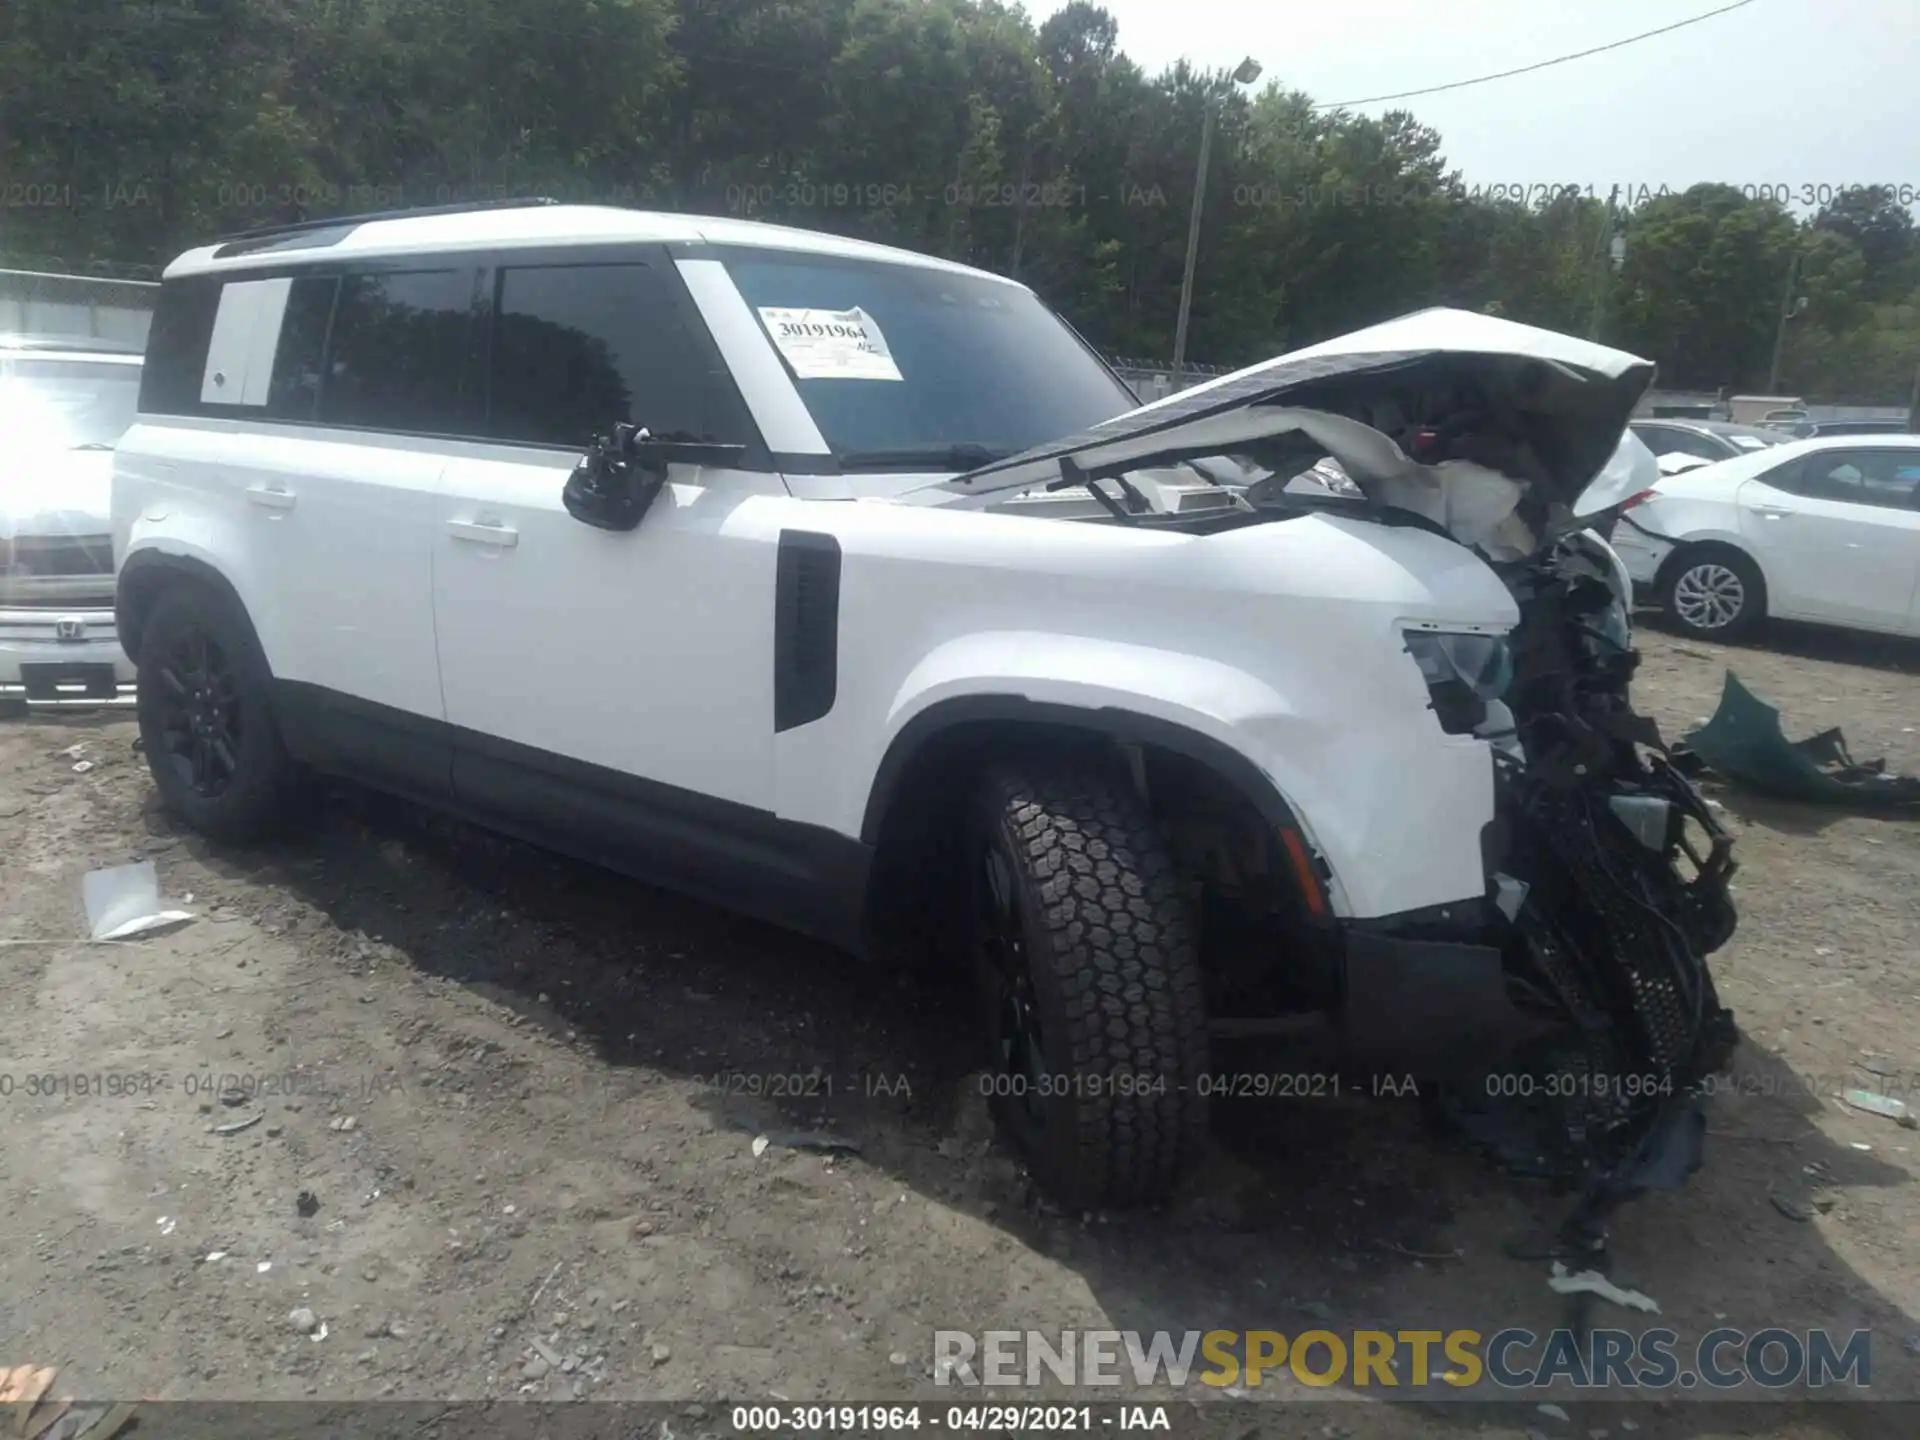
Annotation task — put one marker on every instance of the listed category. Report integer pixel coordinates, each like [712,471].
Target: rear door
[338,484]
[1839,534]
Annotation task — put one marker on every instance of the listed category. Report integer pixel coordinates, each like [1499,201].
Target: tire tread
[1120,955]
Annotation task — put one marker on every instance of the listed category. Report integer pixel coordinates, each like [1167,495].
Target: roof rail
[297,227]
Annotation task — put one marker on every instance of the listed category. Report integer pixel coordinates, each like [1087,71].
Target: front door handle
[1772,512]
[270,497]
[478,533]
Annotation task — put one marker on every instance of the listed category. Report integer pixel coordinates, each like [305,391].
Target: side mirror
[616,482]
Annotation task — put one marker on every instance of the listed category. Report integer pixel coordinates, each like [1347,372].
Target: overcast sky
[1793,93]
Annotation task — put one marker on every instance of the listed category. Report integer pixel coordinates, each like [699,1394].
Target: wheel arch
[146,575]
[964,721]
[953,736]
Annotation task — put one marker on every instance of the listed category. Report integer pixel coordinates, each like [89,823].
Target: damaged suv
[849,588]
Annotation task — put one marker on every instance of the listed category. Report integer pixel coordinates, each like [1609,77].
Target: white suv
[63,406]
[753,562]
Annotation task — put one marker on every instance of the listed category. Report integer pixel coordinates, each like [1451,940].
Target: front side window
[909,367]
[398,352]
[576,349]
[66,404]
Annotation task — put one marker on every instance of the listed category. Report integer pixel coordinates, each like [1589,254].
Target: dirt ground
[493,1071]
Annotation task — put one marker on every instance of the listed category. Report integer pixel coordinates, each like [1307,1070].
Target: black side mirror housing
[616,481]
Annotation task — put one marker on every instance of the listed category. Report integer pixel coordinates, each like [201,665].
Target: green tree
[1702,285]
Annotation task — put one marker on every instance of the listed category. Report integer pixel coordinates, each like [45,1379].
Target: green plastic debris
[1743,743]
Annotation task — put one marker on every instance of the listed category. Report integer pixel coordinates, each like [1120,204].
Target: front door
[611,693]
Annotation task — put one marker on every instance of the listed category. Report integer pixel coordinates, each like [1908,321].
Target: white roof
[1872,440]
[545,225]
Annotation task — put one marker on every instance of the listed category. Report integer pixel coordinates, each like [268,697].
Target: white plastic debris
[1884,1105]
[760,1143]
[264,1266]
[166,1224]
[1592,1282]
[214,1255]
[124,900]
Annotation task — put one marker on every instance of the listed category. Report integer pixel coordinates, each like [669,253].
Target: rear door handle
[477,533]
[270,497]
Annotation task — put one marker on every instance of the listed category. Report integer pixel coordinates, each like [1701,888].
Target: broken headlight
[1463,673]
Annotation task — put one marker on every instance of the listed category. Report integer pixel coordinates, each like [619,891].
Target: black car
[1709,439]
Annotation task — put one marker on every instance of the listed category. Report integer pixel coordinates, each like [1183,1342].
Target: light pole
[1615,244]
[1245,73]
[1789,307]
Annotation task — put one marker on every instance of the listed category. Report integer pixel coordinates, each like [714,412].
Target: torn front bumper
[1432,1008]
[1566,1027]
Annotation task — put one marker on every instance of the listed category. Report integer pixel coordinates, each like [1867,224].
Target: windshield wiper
[961,455]
[94,445]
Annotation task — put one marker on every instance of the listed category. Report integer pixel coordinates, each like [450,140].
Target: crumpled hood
[1510,426]
[56,492]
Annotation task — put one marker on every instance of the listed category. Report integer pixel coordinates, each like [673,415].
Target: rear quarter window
[177,342]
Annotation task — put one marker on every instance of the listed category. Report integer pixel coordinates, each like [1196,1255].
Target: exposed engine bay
[1607,872]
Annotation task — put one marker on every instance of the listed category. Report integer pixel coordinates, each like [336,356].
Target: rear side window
[398,352]
[177,345]
[297,364]
[578,348]
[1886,478]
[1695,442]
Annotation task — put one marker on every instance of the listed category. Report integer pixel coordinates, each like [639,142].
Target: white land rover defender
[849,588]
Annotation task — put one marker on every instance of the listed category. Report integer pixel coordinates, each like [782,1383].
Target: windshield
[905,367]
[66,404]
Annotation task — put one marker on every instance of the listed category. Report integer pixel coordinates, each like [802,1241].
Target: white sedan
[1824,530]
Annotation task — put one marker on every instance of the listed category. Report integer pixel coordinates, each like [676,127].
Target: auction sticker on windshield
[830,344]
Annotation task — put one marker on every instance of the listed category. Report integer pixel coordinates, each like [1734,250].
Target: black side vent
[806,627]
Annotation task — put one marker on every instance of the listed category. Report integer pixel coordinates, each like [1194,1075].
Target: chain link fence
[1150,380]
[110,309]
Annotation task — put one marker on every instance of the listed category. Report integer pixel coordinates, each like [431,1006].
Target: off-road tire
[1115,979]
[1699,560]
[265,787]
